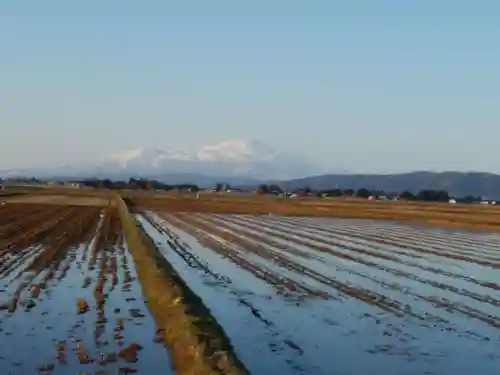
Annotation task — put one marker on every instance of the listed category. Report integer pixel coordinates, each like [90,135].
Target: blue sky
[371,86]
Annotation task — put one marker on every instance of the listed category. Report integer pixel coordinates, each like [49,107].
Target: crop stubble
[47,254]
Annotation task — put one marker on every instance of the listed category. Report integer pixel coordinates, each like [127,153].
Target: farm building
[72,184]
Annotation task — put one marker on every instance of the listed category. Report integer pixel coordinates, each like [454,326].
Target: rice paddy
[287,295]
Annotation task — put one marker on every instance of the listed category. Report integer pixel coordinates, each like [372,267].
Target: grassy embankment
[197,344]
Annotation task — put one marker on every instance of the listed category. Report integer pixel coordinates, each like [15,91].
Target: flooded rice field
[293,295]
[337,296]
[70,302]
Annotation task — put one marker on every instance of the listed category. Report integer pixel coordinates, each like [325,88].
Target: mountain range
[233,161]
[459,184]
[249,163]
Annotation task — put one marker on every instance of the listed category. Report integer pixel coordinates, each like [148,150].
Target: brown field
[475,216]
[59,199]
[72,271]
[152,283]
[440,214]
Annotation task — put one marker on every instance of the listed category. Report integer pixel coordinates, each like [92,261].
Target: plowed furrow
[316,244]
[441,302]
[38,232]
[397,272]
[412,245]
[413,238]
[26,220]
[471,240]
[226,249]
[353,233]
[362,294]
[181,249]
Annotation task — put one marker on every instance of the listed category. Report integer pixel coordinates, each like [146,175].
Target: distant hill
[486,185]
[459,184]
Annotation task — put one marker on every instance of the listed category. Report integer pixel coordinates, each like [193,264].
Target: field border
[197,343]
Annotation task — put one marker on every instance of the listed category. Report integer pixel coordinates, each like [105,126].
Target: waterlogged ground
[72,304]
[335,296]
[294,295]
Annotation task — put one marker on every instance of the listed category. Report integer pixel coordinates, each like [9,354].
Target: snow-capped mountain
[235,160]
[253,159]
[237,151]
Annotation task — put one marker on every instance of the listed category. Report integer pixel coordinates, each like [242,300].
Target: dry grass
[60,199]
[195,348]
[465,216]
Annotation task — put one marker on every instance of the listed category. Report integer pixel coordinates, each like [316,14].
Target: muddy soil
[70,301]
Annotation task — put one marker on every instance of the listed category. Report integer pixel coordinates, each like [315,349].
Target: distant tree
[138,184]
[133,183]
[335,193]
[407,195]
[433,196]
[363,193]
[348,192]
[120,185]
[273,188]
[88,183]
[425,195]
[263,189]
[157,185]
[107,184]
[470,199]
[221,186]
[442,196]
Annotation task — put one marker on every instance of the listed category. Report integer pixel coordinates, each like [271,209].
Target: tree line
[136,184]
[427,195]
